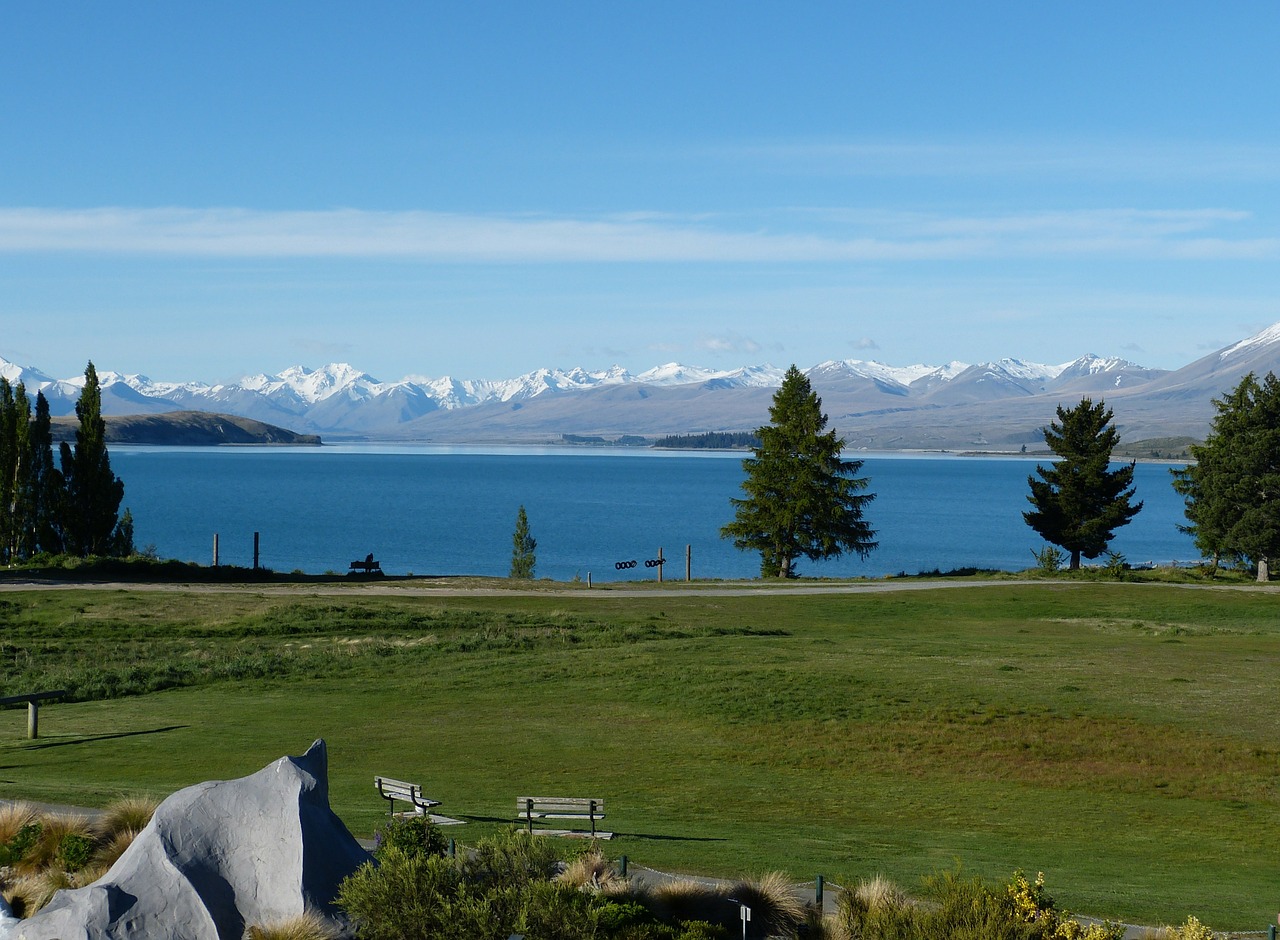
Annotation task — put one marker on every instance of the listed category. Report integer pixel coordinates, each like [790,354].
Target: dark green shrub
[403,897]
[24,841]
[613,916]
[74,851]
[512,859]
[413,835]
[555,912]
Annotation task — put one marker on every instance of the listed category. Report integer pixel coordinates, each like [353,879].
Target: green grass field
[1121,738]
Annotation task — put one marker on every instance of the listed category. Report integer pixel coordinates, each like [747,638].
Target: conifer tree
[46,483]
[22,536]
[523,548]
[801,496]
[9,461]
[93,492]
[1079,501]
[1232,490]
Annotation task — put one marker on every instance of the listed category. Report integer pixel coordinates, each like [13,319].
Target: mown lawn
[1120,738]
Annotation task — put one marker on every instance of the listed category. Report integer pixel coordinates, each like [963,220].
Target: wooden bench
[368,566]
[394,791]
[530,808]
[33,700]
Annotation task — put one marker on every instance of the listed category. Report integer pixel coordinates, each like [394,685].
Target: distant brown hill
[187,428]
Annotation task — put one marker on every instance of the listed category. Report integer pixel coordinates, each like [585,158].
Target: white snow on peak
[675,373]
[1268,336]
[1021,369]
[33,379]
[950,370]
[900,375]
[314,385]
[1093,365]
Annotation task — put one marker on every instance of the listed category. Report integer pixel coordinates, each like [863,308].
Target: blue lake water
[451,510]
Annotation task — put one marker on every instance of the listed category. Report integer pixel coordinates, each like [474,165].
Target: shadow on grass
[100,737]
[664,837]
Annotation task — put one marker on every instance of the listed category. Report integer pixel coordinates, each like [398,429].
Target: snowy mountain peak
[33,379]
[314,385]
[1021,369]
[1093,365]
[1267,337]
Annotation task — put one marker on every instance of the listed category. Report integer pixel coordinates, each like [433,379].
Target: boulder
[216,859]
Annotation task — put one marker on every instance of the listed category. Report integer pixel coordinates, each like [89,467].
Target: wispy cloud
[866,342]
[730,343]
[789,236]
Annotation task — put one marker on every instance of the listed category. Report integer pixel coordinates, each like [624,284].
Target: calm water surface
[451,510]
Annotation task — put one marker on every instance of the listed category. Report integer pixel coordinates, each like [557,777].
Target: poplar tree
[1232,490]
[1079,501]
[46,483]
[92,492]
[21,538]
[9,461]
[801,497]
[524,545]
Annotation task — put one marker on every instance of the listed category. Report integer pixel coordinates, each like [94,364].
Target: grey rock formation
[215,859]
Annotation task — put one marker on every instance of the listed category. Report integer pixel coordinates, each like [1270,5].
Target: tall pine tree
[1232,490]
[523,548]
[801,497]
[92,492]
[1079,501]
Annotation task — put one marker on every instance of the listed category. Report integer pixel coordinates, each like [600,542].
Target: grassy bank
[1118,737]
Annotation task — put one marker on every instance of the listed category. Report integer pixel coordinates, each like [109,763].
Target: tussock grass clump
[593,871]
[776,911]
[32,891]
[109,851]
[685,899]
[127,814]
[879,893]
[307,926]
[43,853]
[13,817]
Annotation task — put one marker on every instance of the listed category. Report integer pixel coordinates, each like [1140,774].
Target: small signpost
[744,913]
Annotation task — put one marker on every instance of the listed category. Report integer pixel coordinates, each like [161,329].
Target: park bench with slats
[399,791]
[529,808]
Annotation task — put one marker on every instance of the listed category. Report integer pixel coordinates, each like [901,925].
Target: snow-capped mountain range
[299,390]
[870,403]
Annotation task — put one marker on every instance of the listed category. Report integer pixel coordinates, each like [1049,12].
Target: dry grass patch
[32,891]
[776,910]
[13,817]
[127,814]
[308,926]
[109,852]
[879,893]
[593,871]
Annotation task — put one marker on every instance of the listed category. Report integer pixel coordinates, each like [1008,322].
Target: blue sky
[207,191]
